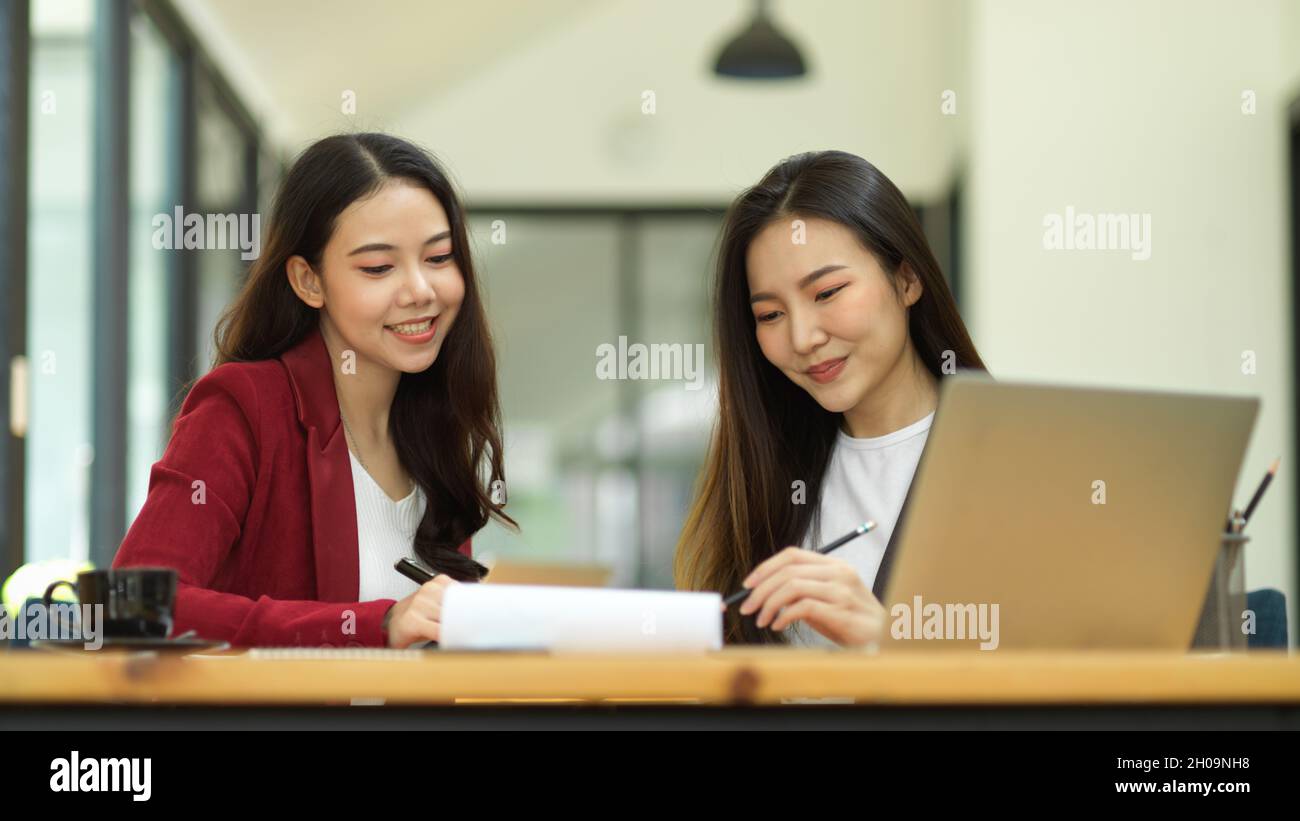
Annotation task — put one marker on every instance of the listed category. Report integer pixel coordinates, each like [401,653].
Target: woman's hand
[418,617]
[827,593]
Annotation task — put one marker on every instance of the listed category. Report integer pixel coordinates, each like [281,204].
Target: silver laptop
[1091,518]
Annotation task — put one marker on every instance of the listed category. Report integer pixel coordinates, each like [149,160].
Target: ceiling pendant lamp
[760,52]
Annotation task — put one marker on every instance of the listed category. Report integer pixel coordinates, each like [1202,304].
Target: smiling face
[388,285]
[826,314]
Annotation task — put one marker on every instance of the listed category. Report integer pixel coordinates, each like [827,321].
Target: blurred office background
[598,133]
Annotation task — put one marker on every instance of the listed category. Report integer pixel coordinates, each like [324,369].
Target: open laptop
[1008,510]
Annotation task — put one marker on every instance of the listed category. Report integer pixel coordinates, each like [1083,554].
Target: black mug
[137,601]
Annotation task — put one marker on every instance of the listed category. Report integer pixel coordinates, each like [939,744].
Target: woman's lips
[824,372]
[415,338]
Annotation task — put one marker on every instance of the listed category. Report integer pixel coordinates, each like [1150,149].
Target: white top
[385,533]
[866,479]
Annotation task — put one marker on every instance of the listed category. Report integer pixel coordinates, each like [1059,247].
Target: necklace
[356,448]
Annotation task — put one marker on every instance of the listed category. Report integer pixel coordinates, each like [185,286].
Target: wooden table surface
[747,676]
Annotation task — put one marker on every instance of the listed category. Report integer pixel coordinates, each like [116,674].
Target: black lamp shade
[760,52]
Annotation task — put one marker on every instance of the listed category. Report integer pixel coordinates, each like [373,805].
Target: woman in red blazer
[359,327]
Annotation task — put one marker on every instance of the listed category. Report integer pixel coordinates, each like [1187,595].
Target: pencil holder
[1223,614]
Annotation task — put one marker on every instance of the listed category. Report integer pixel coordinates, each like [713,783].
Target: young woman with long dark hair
[351,417]
[833,324]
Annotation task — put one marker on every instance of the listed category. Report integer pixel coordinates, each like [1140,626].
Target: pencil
[865,527]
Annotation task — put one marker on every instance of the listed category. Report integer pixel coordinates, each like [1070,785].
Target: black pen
[417,573]
[1259,494]
[742,593]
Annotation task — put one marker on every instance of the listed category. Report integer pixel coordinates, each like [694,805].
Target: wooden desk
[1256,689]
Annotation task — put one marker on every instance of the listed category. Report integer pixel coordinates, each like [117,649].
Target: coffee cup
[137,601]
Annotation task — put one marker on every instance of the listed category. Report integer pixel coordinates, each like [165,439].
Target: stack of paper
[528,617]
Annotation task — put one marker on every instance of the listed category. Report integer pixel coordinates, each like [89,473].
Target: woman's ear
[912,288]
[303,281]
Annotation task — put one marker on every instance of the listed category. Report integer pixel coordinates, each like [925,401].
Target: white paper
[584,619]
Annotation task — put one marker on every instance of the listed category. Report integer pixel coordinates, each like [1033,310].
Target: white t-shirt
[385,533]
[866,479]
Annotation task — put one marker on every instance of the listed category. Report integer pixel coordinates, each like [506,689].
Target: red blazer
[266,546]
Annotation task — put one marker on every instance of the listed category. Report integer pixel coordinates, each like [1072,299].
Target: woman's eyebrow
[818,274]
[803,283]
[383,246]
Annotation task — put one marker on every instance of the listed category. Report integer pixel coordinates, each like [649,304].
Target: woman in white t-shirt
[833,325]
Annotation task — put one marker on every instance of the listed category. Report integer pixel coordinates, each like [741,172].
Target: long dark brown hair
[445,420]
[770,432]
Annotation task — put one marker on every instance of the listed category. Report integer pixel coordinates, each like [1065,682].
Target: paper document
[533,617]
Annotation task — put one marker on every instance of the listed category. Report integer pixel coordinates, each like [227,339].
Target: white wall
[1135,107]
[561,119]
